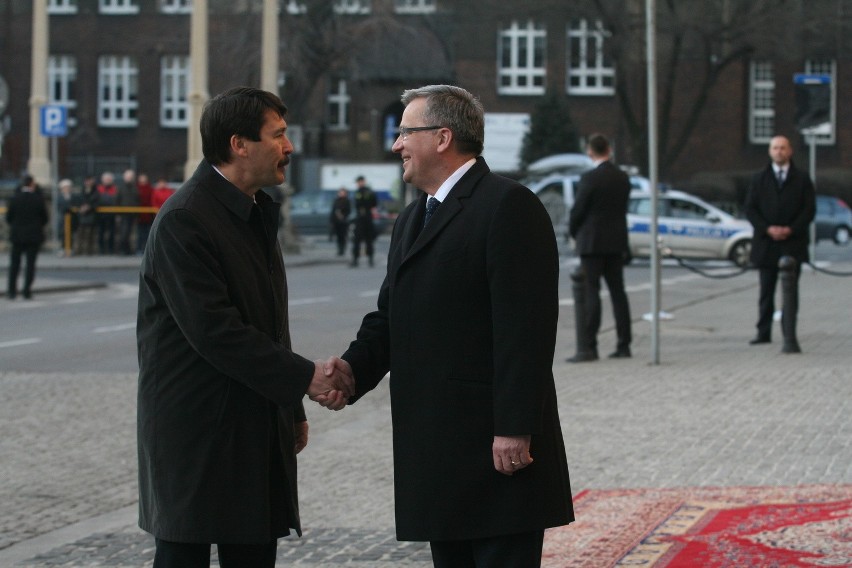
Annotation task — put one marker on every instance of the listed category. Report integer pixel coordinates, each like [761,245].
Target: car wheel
[740,253]
[841,235]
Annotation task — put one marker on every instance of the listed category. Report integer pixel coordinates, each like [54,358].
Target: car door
[639,223]
[691,230]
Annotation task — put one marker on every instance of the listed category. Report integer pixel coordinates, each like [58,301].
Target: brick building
[725,79]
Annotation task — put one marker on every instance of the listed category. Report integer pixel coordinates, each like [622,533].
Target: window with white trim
[294,7]
[176,6]
[590,71]
[826,67]
[338,105]
[414,6]
[61,6]
[118,91]
[521,59]
[352,6]
[62,84]
[118,7]
[761,106]
[174,90]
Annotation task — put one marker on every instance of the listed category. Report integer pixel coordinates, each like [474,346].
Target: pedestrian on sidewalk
[780,205]
[365,230]
[220,414]
[598,225]
[26,216]
[87,218]
[339,219]
[466,325]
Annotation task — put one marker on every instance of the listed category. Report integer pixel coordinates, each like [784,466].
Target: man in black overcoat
[466,325]
[780,205]
[598,224]
[26,216]
[220,415]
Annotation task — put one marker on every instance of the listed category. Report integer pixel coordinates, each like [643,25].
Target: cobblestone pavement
[715,411]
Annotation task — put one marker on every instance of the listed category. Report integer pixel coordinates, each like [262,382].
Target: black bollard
[578,287]
[789,269]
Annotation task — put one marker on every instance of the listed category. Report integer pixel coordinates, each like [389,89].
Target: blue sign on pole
[54,120]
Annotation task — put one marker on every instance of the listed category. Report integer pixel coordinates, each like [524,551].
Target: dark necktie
[431,206]
[780,178]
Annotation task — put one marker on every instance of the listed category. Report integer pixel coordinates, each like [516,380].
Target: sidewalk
[714,412]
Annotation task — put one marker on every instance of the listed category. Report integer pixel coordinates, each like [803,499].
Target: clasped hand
[332,384]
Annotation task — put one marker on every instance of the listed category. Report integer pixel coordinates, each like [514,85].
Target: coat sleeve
[752,207]
[194,286]
[802,222]
[581,205]
[523,275]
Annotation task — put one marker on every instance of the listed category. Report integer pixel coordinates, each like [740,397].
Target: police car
[688,227]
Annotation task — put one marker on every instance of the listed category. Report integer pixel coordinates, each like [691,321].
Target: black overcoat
[598,220]
[466,324]
[792,205]
[219,387]
[26,216]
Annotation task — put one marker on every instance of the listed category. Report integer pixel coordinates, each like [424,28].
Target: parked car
[833,220]
[688,227]
[310,212]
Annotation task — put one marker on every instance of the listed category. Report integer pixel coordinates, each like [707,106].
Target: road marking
[308,301]
[19,342]
[111,328]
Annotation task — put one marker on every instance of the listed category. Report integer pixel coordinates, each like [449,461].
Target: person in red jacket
[160,193]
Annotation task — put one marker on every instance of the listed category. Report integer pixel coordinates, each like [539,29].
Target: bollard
[578,287]
[789,269]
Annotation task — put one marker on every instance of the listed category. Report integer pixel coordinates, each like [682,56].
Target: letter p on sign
[54,120]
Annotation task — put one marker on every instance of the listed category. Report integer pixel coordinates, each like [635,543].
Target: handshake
[332,384]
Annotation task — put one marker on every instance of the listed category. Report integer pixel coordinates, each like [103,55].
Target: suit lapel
[450,207]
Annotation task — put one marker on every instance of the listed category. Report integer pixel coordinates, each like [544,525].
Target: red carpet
[710,527]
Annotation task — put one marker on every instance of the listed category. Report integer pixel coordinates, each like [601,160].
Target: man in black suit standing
[780,206]
[598,224]
[466,324]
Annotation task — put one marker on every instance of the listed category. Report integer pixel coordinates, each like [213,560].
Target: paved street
[715,411]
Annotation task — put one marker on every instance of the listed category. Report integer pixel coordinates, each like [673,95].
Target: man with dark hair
[780,205]
[220,415]
[598,225]
[26,217]
[466,324]
[365,230]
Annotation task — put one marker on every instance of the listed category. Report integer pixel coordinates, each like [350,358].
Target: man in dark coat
[365,230]
[339,219]
[26,216]
[466,324]
[220,415]
[598,224]
[780,205]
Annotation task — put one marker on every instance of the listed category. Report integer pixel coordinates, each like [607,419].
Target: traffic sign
[54,120]
[813,101]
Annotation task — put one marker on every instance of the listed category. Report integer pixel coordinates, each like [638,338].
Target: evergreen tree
[551,130]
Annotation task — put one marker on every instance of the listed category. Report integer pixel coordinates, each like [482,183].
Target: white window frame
[761,103]
[175,83]
[60,7]
[338,105]
[415,6]
[61,78]
[118,7]
[293,7]
[352,7]
[118,91]
[588,70]
[176,6]
[520,75]
[826,67]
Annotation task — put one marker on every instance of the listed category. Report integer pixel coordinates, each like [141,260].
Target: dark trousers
[366,234]
[106,233]
[194,555]
[508,551]
[341,233]
[30,251]
[766,301]
[611,268]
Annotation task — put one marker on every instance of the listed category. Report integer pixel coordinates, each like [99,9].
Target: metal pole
[812,228]
[54,191]
[650,40]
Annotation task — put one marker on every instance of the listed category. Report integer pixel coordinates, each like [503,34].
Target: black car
[833,219]
[310,212]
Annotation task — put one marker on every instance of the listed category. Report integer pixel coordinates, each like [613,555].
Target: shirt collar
[451,181]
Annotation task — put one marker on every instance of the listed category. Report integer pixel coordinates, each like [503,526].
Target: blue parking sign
[54,120]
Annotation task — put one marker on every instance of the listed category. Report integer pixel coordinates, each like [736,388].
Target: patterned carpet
[710,527]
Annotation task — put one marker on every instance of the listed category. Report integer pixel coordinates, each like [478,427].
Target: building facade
[725,80]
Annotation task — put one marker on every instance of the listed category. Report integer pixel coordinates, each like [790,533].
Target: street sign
[813,102]
[54,120]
